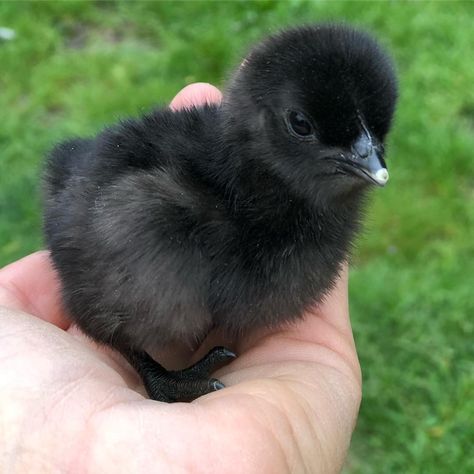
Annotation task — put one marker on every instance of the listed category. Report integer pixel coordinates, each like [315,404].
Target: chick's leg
[180,385]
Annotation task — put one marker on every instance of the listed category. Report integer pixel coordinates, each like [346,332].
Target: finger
[198,93]
[31,285]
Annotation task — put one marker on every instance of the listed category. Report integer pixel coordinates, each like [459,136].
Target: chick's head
[316,104]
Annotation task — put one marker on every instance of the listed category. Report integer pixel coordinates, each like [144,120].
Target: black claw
[210,362]
[217,385]
[228,354]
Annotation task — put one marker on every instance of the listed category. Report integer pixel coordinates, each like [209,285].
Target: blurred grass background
[74,67]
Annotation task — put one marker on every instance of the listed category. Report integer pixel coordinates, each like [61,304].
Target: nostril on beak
[362,147]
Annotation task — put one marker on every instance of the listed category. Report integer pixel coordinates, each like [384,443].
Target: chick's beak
[366,160]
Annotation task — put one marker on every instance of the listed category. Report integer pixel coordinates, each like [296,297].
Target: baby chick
[235,216]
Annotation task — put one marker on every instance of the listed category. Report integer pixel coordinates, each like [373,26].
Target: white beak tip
[381,176]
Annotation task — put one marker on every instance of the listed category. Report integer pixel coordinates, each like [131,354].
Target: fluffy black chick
[236,216]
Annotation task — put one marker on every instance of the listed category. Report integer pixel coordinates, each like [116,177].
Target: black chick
[236,216]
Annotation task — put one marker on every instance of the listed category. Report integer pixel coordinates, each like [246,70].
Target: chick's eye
[299,124]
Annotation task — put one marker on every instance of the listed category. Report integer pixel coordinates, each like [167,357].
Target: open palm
[67,405]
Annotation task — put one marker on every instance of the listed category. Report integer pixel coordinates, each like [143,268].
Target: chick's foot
[180,385]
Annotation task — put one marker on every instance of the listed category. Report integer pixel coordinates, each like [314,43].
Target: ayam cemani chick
[235,216]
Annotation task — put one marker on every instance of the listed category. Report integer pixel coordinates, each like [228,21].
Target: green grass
[74,67]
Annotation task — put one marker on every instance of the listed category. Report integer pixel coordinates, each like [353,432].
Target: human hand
[67,405]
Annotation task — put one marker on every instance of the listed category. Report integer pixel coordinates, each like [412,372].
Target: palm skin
[67,405]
